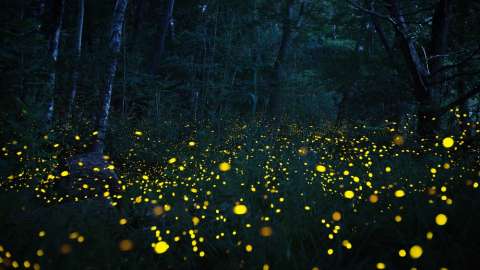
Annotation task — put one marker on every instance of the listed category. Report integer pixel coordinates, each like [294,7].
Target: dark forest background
[170,64]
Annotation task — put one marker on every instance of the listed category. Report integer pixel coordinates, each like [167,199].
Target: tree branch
[454,76]
[371,12]
[464,61]
[459,101]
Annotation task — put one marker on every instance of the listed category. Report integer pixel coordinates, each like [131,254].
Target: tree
[54,31]
[288,25]
[162,32]
[427,71]
[232,58]
[114,50]
[77,55]
[137,23]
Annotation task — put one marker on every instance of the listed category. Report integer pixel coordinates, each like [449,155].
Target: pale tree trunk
[78,54]
[167,20]
[106,95]
[54,31]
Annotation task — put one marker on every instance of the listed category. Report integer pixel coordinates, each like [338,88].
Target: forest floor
[301,198]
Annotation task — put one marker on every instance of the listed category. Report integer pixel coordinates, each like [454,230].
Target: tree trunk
[255,59]
[426,123]
[381,34]
[425,76]
[137,23]
[462,10]
[54,31]
[106,95]
[37,8]
[78,54]
[439,46]
[162,33]
[278,67]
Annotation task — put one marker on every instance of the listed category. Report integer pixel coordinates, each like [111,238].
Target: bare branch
[372,12]
[464,61]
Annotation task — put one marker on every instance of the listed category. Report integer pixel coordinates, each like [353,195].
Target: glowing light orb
[399,193]
[448,142]
[336,216]
[441,219]
[161,247]
[195,221]
[125,245]
[373,198]
[398,140]
[240,209]
[321,168]
[266,231]
[416,252]
[349,194]
[224,167]
[347,244]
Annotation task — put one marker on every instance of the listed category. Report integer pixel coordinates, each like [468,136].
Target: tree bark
[38,8]
[162,33]
[54,31]
[439,46]
[77,55]
[106,95]
[278,67]
[460,25]
[439,35]
[255,59]
[426,123]
[381,34]
[137,23]
[425,76]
